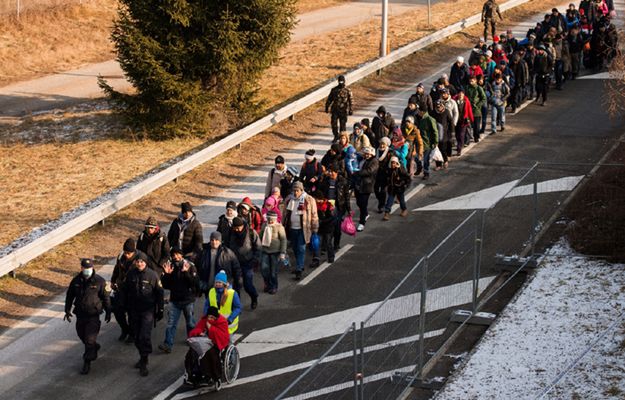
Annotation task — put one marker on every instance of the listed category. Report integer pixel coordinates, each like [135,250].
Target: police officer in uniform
[142,296]
[88,292]
[339,102]
[489,10]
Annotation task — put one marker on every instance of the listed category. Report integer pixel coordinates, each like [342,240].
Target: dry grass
[47,275]
[84,169]
[36,45]
[304,6]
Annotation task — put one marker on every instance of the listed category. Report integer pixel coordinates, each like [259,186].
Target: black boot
[86,366]
[143,366]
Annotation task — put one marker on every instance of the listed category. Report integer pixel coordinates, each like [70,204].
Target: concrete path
[40,357]
[79,85]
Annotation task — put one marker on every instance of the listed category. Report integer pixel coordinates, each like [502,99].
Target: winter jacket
[187,235]
[309,220]
[381,178]
[325,212]
[402,153]
[452,107]
[273,179]
[225,260]
[459,75]
[445,120]
[89,296]
[477,97]
[499,92]
[366,175]
[342,199]
[218,332]
[224,226]
[398,180]
[543,64]
[413,136]
[123,265]
[278,239]
[246,246]
[339,100]
[429,132]
[142,291]
[183,285]
[359,142]
[254,218]
[308,171]
[466,112]
[423,100]
[156,247]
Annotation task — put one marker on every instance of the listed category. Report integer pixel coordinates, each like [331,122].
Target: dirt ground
[47,275]
[79,152]
[36,45]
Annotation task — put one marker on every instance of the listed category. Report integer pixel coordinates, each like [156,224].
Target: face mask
[87,272]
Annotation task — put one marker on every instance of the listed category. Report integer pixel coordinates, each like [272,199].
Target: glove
[350,113]
[159,315]
[107,317]
[282,256]
[67,317]
[327,111]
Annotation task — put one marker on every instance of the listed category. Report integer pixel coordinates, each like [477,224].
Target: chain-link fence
[397,345]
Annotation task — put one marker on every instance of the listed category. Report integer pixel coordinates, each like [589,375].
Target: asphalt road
[379,258]
[79,85]
[40,358]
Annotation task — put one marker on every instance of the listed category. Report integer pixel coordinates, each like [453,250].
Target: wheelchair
[229,367]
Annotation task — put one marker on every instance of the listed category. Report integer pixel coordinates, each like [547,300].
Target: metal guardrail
[99,212]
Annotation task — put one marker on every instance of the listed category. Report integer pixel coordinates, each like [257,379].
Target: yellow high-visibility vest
[226,309]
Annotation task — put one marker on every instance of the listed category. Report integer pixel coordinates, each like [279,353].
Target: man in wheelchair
[203,362]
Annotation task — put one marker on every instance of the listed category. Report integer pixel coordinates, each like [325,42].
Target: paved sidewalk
[80,85]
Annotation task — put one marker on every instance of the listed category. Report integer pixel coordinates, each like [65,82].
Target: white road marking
[316,328]
[304,365]
[350,384]
[408,196]
[325,265]
[488,197]
[481,199]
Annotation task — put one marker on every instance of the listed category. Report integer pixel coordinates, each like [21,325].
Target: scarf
[229,219]
[398,140]
[267,236]
[382,156]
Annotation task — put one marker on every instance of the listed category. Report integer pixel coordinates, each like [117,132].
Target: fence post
[18,8]
[424,288]
[362,360]
[476,262]
[535,213]
[429,14]
[355,359]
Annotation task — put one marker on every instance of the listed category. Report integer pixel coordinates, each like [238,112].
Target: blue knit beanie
[221,277]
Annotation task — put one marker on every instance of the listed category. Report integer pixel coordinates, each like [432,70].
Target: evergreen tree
[187,58]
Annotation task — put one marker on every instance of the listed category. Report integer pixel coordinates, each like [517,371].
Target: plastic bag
[436,155]
[347,226]
[315,242]
[285,262]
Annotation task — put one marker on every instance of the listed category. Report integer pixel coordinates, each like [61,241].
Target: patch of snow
[568,303]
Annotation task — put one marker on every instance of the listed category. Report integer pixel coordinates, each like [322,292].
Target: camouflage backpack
[342,99]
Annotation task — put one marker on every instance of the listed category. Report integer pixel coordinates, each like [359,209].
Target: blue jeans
[299,247]
[175,309]
[391,199]
[247,271]
[426,161]
[296,236]
[501,110]
[269,269]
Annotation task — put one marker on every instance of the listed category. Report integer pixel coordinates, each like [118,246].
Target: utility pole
[384,41]
[429,14]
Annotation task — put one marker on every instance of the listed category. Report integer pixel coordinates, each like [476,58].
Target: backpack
[342,99]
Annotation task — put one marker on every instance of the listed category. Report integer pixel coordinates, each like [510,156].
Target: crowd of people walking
[307,208]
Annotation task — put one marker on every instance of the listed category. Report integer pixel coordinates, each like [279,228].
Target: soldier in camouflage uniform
[488,17]
[339,102]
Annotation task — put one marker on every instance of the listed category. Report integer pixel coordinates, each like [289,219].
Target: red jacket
[218,331]
[467,118]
